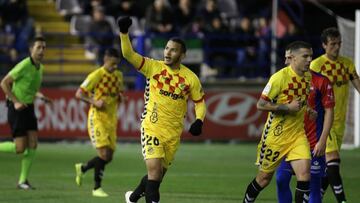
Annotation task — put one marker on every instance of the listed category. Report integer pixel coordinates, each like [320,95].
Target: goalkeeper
[169,86]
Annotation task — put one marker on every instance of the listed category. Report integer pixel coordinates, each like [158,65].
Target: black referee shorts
[21,121]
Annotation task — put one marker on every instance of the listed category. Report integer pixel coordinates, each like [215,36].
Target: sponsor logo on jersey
[171,94]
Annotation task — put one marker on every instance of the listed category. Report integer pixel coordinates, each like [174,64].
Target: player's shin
[324,185]
[152,193]
[302,192]
[140,190]
[26,164]
[252,192]
[98,172]
[315,189]
[283,178]
[335,180]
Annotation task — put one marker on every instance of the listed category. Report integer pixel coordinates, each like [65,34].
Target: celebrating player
[169,86]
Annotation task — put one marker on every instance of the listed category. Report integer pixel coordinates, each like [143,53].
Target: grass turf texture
[200,173]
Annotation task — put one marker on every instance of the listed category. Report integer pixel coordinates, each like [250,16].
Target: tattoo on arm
[262,102]
[282,108]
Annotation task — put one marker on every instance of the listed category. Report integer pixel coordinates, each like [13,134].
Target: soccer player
[339,70]
[169,86]
[283,137]
[321,100]
[21,86]
[102,89]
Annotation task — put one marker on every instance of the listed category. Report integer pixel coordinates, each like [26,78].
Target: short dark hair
[331,32]
[36,39]
[181,42]
[112,52]
[298,45]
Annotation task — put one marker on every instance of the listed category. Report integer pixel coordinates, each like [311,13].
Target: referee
[21,86]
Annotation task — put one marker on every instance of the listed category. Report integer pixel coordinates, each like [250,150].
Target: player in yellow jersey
[340,71]
[102,89]
[283,137]
[169,86]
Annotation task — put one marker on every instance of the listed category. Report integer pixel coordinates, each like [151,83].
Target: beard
[173,61]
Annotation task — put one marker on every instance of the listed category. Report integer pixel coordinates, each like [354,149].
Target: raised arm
[127,50]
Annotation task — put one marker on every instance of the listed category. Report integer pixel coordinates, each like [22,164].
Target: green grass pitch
[201,173]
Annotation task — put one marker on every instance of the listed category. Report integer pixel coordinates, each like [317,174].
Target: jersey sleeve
[196,90]
[90,82]
[327,92]
[352,71]
[121,79]
[272,89]
[314,65]
[18,71]
[149,66]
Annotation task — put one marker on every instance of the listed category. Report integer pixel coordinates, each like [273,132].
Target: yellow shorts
[270,154]
[101,132]
[335,138]
[154,147]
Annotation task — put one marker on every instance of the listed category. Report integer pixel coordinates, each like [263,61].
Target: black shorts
[21,121]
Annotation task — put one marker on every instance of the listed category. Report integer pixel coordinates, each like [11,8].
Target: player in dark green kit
[21,86]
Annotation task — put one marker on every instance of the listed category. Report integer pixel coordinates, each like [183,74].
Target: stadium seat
[79,24]
[68,7]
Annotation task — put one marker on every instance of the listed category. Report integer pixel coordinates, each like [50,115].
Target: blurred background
[232,46]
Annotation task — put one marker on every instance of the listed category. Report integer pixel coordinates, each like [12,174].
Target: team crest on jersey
[182,86]
[150,151]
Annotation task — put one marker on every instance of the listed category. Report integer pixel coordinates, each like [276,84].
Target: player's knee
[20,149]
[264,179]
[303,175]
[155,174]
[107,157]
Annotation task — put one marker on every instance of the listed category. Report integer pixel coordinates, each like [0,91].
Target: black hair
[112,52]
[331,32]
[36,39]
[181,42]
[298,45]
